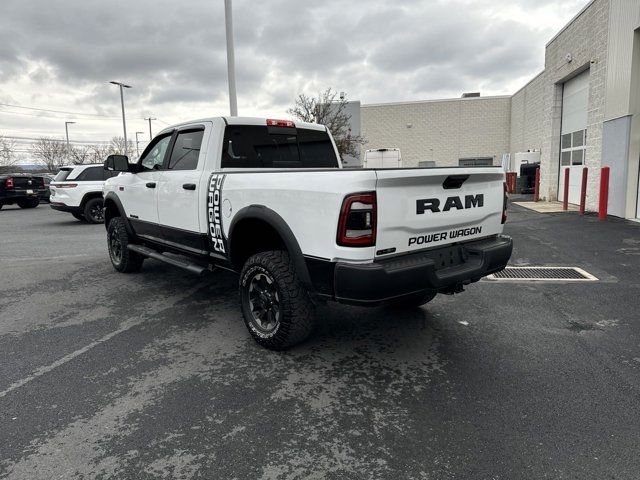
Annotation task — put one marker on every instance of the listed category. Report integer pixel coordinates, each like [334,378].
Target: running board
[150,253]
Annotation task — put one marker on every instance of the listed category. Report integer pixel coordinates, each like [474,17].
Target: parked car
[21,189]
[47,179]
[269,199]
[77,189]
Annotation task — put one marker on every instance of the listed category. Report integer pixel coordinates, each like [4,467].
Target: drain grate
[550,274]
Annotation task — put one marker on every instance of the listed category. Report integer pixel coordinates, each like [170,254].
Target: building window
[476,162]
[572,148]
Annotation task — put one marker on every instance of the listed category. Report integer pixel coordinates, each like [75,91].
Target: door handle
[151,184]
[189,186]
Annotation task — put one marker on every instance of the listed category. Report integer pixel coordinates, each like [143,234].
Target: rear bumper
[61,207]
[13,196]
[443,270]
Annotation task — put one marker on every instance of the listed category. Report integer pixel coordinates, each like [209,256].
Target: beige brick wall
[586,39]
[440,130]
[527,114]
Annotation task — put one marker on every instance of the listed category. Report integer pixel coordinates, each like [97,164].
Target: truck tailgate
[425,208]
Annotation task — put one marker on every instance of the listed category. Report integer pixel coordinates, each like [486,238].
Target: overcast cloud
[61,55]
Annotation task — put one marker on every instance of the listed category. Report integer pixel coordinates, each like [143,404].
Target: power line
[58,111]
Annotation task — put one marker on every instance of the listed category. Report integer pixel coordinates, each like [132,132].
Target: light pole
[124,122]
[150,118]
[138,143]
[66,131]
[231,62]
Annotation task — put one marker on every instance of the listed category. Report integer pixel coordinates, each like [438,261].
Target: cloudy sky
[61,54]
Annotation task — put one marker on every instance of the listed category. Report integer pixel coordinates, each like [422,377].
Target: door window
[91,174]
[572,148]
[186,150]
[153,156]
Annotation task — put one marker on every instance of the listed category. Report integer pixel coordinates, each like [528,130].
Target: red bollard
[583,190]
[565,200]
[604,193]
[511,182]
[536,186]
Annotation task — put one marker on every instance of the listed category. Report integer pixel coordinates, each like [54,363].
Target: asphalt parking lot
[153,375]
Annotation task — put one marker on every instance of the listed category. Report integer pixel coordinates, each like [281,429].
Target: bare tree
[80,154]
[118,146]
[328,110]
[50,152]
[100,152]
[8,157]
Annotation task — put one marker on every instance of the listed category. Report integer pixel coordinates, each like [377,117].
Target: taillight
[280,123]
[504,204]
[357,222]
[8,183]
[66,185]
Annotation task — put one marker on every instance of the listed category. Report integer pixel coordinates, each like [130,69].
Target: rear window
[62,174]
[247,146]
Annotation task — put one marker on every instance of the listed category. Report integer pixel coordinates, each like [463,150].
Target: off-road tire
[296,310]
[414,300]
[93,212]
[29,203]
[122,259]
[79,216]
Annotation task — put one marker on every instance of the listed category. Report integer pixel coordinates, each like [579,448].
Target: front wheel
[122,259]
[93,211]
[275,305]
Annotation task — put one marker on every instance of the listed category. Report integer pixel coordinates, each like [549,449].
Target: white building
[582,110]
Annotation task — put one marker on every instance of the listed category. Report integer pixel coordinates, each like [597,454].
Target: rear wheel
[93,211]
[29,203]
[122,259]
[78,216]
[276,307]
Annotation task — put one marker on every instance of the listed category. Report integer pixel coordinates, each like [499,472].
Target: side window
[153,156]
[186,150]
[91,174]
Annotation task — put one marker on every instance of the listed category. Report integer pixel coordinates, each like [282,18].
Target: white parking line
[67,358]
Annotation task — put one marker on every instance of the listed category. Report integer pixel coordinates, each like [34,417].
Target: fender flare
[88,196]
[265,214]
[112,197]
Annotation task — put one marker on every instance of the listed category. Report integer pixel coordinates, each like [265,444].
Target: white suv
[77,189]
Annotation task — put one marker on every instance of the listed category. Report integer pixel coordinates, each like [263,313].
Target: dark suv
[23,189]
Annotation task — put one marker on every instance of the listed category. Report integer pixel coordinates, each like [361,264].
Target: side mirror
[117,163]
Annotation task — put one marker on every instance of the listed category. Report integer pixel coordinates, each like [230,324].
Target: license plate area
[29,192]
[448,257]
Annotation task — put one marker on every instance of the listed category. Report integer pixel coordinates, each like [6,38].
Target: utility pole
[124,121]
[138,143]
[150,118]
[66,131]
[231,62]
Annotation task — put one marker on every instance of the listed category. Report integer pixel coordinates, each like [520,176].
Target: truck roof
[245,121]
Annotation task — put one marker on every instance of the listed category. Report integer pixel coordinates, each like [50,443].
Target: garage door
[573,136]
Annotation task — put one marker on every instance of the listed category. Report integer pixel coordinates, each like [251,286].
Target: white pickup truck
[268,199]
